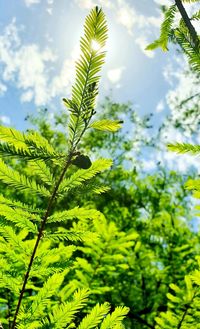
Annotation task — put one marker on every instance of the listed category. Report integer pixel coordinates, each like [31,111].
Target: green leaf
[79,213]
[21,218]
[115,317]
[85,89]
[165,30]
[184,148]
[64,313]
[95,317]
[20,181]
[106,125]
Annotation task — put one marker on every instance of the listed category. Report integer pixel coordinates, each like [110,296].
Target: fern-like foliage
[103,261]
[183,305]
[165,30]
[81,175]
[106,125]
[184,148]
[85,89]
[25,145]
[192,53]
[37,241]
[21,182]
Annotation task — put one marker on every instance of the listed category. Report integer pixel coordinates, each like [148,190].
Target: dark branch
[139,319]
[186,19]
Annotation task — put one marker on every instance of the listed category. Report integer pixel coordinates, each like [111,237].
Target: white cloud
[183,85]
[114,75]
[164,2]
[3,89]
[160,106]
[88,4]
[85,4]
[29,3]
[144,28]
[5,119]
[27,96]
[179,162]
[148,164]
[29,68]
[49,11]
[126,15]
[143,43]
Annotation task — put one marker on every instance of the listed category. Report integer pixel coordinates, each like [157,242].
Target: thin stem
[188,306]
[183,317]
[39,236]
[187,22]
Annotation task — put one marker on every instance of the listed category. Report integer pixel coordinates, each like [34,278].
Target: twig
[39,236]
[139,319]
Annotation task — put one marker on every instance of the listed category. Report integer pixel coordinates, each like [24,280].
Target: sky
[39,43]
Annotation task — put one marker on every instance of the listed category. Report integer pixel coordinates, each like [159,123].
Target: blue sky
[39,42]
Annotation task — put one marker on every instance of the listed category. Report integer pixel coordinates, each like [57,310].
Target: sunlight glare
[95,45]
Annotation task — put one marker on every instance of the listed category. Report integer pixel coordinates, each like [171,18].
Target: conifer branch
[39,236]
[42,227]
[82,110]
[188,23]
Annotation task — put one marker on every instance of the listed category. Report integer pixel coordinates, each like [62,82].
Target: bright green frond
[12,136]
[192,52]
[196,16]
[82,175]
[165,30]
[19,205]
[25,145]
[64,235]
[19,181]
[85,88]
[19,217]
[41,299]
[191,1]
[106,125]
[115,318]
[79,213]
[63,314]
[95,317]
[184,148]
[40,169]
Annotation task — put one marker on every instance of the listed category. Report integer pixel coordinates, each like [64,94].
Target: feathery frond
[115,318]
[95,317]
[63,314]
[184,148]
[20,182]
[106,125]
[165,30]
[85,89]
[25,145]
